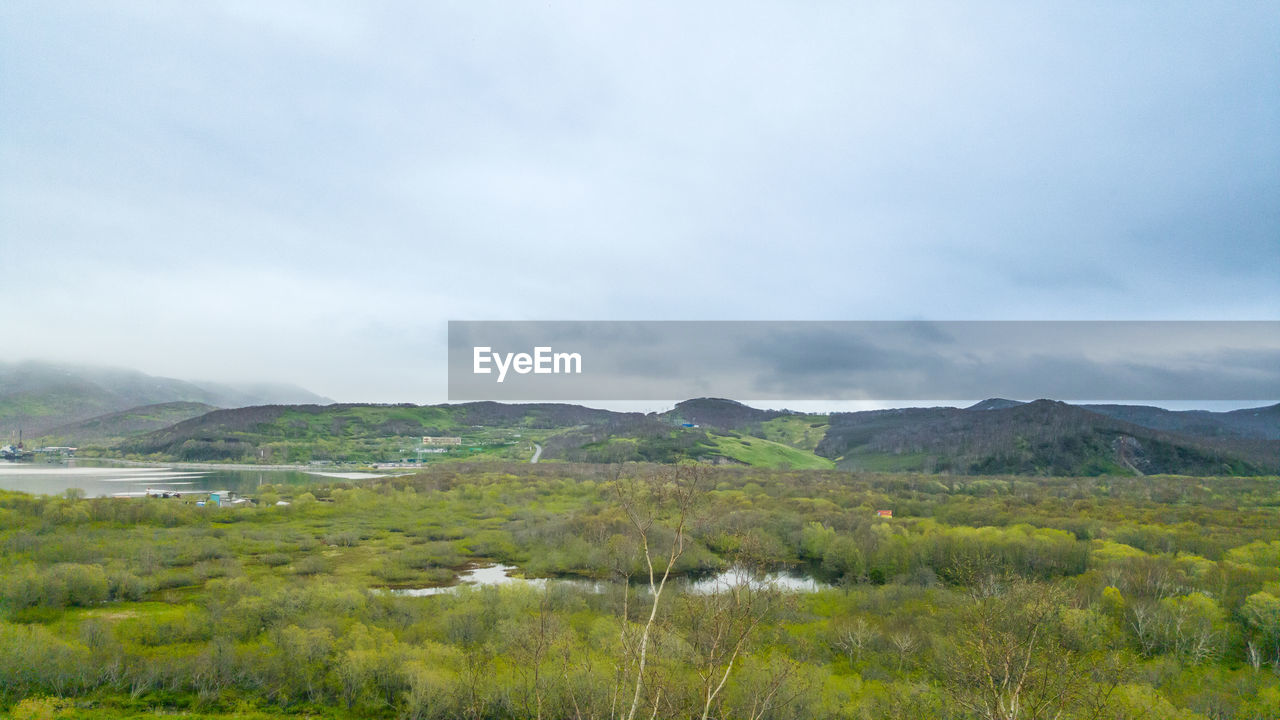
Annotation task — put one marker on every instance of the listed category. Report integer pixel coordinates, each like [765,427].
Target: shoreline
[231,466]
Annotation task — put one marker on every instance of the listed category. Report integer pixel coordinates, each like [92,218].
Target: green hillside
[336,433]
[759,452]
[1039,438]
[124,424]
[797,431]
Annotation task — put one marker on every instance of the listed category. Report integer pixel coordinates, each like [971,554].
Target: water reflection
[103,479]
[737,577]
[495,575]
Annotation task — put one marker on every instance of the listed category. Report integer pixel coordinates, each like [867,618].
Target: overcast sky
[307,192]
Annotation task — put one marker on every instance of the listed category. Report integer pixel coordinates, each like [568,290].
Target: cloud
[341,174]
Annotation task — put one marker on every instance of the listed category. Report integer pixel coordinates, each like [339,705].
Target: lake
[100,478]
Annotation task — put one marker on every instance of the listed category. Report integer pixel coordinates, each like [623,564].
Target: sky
[307,192]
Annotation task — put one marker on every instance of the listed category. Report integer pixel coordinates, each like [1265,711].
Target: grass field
[758,452]
[798,431]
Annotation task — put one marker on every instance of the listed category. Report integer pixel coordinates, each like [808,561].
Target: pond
[496,575]
[96,478]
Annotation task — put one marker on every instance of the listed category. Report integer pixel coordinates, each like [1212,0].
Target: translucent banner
[864,360]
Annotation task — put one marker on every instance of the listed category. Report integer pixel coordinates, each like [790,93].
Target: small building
[884,513]
[225,498]
[429,440]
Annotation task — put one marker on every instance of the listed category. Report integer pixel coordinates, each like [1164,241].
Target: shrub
[40,708]
[275,559]
[314,565]
[343,538]
[125,586]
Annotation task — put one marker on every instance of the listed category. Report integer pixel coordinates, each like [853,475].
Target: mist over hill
[37,397]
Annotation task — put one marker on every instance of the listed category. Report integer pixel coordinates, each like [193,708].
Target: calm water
[97,479]
[491,575]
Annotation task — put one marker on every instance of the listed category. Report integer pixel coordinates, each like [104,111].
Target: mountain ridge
[1044,436]
[1035,438]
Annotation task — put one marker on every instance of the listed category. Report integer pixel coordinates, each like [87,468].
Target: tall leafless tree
[659,506]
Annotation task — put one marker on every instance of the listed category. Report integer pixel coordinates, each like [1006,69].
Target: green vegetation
[798,431]
[1042,438]
[886,462]
[1071,597]
[115,427]
[276,434]
[1047,438]
[758,452]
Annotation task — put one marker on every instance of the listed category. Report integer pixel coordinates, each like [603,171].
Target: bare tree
[533,642]
[659,507]
[1010,664]
[1253,655]
[905,642]
[1143,619]
[718,624]
[852,638]
[777,689]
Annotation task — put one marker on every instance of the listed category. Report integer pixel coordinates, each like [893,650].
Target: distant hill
[247,434]
[995,404]
[536,415]
[123,424]
[1263,422]
[993,437]
[1042,437]
[368,433]
[37,397]
[720,413]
